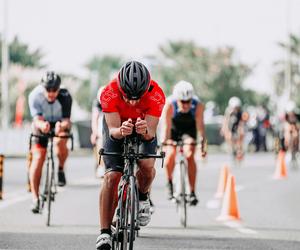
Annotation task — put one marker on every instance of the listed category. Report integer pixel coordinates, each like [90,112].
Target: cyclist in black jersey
[50,108]
[183,120]
[233,125]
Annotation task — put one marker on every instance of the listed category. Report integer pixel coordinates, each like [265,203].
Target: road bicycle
[126,226]
[180,197]
[47,196]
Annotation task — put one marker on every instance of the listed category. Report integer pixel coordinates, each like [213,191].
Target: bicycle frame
[127,224]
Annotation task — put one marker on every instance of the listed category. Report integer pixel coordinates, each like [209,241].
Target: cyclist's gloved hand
[45,127]
[127,127]
[141,126]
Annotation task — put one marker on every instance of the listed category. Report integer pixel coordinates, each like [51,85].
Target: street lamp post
[4,71]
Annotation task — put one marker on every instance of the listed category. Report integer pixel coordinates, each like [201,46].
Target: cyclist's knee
[147,167]
[189,154]
[112,178]
[39,154]
[170,157]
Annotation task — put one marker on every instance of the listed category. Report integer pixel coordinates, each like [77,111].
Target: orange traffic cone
[222,182]
[230,210]
[280,171]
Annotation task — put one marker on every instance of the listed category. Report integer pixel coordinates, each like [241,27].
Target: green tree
[19,53]
[216,74]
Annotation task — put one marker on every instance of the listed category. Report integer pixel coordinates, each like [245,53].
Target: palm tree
[292,47]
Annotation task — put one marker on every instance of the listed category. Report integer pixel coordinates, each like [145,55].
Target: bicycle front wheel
[49,195]
[132,211]
[182,197]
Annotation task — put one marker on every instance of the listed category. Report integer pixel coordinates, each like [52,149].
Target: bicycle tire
[183,201]
[49,194]
[132,209]
[125,219]
[118,234]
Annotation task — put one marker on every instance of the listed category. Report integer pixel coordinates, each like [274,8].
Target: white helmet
[290,107]
[183,91]
[234,102]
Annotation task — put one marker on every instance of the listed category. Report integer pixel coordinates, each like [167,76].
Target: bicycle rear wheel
[182,196]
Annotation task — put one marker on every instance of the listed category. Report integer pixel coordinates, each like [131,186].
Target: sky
[72,32]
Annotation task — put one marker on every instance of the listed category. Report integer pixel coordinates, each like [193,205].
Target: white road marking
[14,198]
[239,227]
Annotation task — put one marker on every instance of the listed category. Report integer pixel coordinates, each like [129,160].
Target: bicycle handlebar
[133,155]
[52,135]
[179,143]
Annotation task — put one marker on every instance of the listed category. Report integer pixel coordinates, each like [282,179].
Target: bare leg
[145,174]
[108,198]
[39,155]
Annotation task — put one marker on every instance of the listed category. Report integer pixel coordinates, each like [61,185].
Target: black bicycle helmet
[51,81]
[133,80]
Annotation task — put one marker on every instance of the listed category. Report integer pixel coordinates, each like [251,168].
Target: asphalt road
[269,210]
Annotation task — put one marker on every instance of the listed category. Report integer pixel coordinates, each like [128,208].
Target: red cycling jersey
[151,103]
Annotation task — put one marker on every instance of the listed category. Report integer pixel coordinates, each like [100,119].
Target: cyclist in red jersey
[132,104]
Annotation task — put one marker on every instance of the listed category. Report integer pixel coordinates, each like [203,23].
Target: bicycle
[49,191]
[127,224]
[181,195]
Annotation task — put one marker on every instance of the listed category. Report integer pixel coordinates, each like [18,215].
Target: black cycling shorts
[113,163]
[43,141]
[177,135]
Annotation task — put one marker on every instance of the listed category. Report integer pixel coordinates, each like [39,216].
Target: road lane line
[20,196]
[239,227]
[15,198]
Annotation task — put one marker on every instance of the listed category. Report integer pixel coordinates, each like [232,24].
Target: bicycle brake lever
[163,154]
[101,151]
[72,142]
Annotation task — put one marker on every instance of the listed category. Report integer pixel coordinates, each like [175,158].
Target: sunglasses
[185,101]
[51,89]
